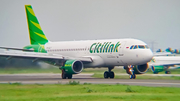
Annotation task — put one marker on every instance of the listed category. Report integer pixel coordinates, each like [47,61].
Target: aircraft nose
[148,56]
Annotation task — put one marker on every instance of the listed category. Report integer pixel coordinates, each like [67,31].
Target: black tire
[156,72]
[111,75]
[167,72]
[106,74]
[134,76]
[63,74]
[130,76]
[70,76]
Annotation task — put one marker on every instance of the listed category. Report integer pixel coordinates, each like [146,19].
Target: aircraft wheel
[130,76]
[63,75]
[156,72]
[167,72]
[134,76]
[111,75]
[106,74]
[69,76]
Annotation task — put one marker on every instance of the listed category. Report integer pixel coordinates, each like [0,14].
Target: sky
[156,22]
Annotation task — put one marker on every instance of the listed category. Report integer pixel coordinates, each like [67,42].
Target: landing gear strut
[109,73]
[130,71]
[132,75]
[64,75]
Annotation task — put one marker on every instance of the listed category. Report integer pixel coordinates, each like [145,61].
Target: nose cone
[147,55]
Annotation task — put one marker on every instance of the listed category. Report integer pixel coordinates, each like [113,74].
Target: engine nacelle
[141,69]
[73,66]
[157,69]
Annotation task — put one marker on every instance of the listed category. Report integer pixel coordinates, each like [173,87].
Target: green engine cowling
[73,66]
[140,69]
[157,69]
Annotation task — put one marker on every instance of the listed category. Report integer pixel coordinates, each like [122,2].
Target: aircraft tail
[36,34]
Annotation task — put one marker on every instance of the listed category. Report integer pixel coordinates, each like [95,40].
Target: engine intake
[73,66]
[141,69]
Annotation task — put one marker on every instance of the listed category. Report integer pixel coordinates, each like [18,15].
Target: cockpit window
[146,46]
[132,47]
[141,46]
[135,47]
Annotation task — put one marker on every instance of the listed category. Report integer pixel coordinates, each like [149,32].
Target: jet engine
[141,69]
[157,69]
[72,66]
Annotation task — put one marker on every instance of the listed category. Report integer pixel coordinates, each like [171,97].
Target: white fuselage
[114,52]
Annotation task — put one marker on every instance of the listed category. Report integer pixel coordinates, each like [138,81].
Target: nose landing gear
[109,73]
[130,71]
[133,76]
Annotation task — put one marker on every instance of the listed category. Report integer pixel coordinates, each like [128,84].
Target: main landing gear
[64,75]
[167,72]
[109,73]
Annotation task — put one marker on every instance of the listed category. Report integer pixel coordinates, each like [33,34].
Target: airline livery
[73,56]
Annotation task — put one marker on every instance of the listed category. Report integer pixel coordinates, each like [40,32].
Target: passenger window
[141,46]
[135,47]
[132,47]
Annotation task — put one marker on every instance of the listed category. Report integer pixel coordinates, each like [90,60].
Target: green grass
[86,92]
[12,70]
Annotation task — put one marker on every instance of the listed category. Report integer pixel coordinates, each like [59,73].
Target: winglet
[36,34]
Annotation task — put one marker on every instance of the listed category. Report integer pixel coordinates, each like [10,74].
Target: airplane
[169,50]
[162,54]
[73,56]
[164,63]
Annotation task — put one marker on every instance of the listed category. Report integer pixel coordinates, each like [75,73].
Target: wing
[50,58]
[165,61]
[165,64]
[8,48]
